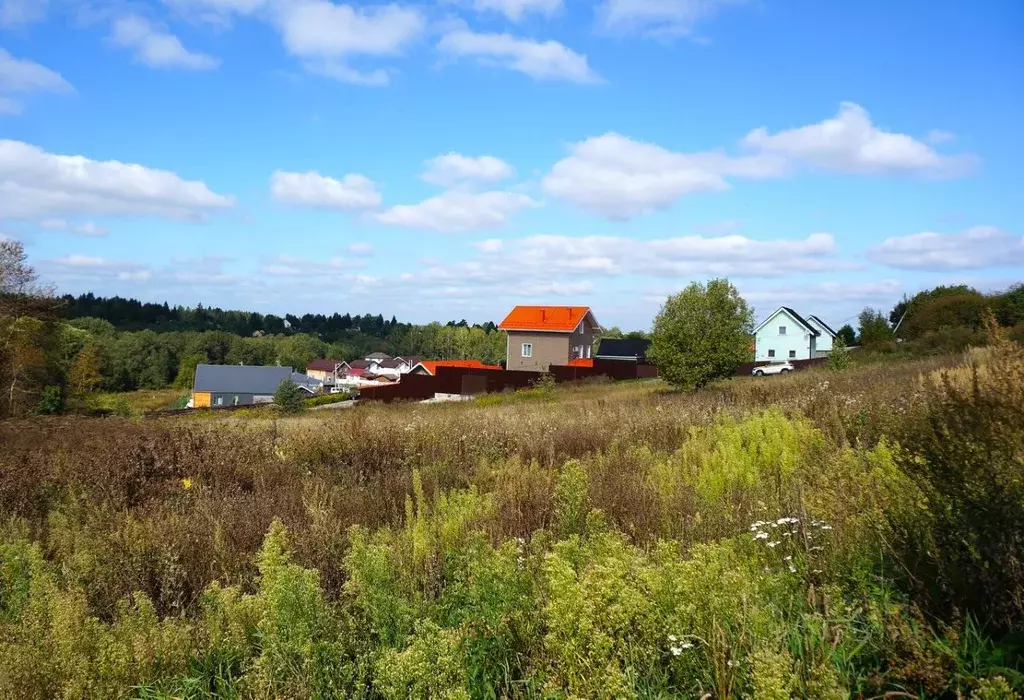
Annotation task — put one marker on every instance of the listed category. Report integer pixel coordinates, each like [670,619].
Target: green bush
[289,397]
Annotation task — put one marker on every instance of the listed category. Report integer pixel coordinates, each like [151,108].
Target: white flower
[732,664]
[816,571]
[676,651]
[761,536]
[789,558]
[686,645]
[786,534]
[826,527]
[671,638]
[773,545]
[792,569]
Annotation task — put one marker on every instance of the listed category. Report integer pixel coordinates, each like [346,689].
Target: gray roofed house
[242,385]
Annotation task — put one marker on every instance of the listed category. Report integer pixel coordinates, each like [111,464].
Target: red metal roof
[432,365]
[545,318]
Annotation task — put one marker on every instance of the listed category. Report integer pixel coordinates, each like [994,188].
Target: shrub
[51,400]
[289,397]
[839,358]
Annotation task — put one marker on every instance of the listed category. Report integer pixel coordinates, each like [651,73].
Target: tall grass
[826,534]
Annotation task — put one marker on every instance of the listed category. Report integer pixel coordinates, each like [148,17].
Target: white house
[785,335]
[823,344]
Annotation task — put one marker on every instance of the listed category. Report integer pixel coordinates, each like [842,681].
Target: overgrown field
[822,535]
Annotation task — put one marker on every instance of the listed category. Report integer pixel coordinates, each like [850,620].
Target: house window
[771,353]
[782,330]
[587,350]
[527,350]
[792,354]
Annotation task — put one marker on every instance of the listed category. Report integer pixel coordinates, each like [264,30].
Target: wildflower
[676,651]
[826,527]
[786,534]
[792,569]
[789,558]
[732,664]
[671,638]
[186,483]
[773,545]
[686,645]
[816,571]
[761,536]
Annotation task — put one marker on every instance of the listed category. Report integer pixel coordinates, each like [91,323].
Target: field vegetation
[829,534]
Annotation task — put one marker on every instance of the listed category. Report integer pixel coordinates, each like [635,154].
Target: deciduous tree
[702,334]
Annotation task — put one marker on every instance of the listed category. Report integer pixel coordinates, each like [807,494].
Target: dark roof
[796,317]
[358,364]
[240,379]
[802,320]
[412,360]
[323,365]
[823,324]
[623,347]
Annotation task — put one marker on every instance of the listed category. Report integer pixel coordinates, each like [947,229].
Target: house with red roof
[541,336]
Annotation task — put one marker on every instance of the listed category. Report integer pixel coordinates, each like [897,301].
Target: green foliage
[701,334]
[186,375]
[289,397]
[51,401]
[122,407]
[830,535]
[839,359]
[572,501]
[873,328]
[326,399]
[848,335]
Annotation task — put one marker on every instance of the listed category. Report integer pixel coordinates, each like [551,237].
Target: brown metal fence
[452,380]
[797,365]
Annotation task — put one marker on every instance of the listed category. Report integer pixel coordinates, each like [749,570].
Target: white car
[773,368]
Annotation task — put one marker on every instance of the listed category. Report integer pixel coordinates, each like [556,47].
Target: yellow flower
[186,483]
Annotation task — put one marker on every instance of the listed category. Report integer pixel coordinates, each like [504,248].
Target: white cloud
[851,143]
[360,249]
[35,184]
[15,13]
[515,10]
[659,17]
[547,60]
[824,293]
[453,169]
[21,76]
[491,245]
[311,189]
[977,247]
[620,178]
[87,228]
[936,136]
[157,48]
[326,34]
[287,266]
[455,211]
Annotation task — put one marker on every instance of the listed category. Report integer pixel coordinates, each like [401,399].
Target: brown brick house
[541,336]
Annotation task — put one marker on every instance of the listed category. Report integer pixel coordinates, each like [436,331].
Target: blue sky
[450,159]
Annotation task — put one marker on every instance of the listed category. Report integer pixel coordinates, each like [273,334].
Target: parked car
[774,368]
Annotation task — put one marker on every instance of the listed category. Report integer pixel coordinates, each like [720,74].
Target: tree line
[59,349]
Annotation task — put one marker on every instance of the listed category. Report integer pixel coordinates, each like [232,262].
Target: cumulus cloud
[977,247]
[659,17]
[21,76]
[77,266]
[620,178]
[35,184]
[456,211]
[454,169]
[541,60]
[87,228]
[326,35]
[288,266]
[851,143]
[311,189]
[825,293]
[515,10]
[155,47]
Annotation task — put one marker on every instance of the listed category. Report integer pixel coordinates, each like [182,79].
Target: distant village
[540,340]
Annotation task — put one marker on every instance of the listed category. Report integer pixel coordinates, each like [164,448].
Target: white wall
[797,339]
[824,341]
